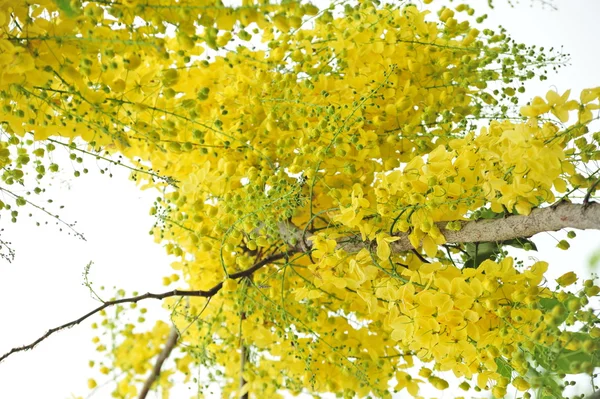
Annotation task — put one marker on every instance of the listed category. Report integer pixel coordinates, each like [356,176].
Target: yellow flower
[403,329]
[406,381]
[589,95]
[559,105]
[521,384]
[537,107]
[567,279]
[585,112]
[383,245]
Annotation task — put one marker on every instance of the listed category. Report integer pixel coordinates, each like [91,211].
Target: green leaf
[489,214]
[561,362]
[67,8]
[504,369]
[567,357]
[547,304]
[480,251]
[551,387]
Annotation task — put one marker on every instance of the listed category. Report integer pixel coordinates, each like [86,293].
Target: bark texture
[562,216]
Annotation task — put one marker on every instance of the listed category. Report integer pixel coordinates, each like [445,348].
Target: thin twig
[586,199]
[418,255]
[199,293]
[243,359]
[69,226]
[167,179]
[164,355]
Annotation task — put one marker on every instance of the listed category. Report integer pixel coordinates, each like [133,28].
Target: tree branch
[564,215]
[198,293]
[164,355]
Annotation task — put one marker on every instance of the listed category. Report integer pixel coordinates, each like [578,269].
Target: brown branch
[197,293]
[164,355]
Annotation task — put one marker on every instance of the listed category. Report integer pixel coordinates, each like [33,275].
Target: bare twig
[164,355]
[169,180]
[199,293]
[42,209]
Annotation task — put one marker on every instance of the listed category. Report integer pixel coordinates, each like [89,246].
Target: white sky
[43,288]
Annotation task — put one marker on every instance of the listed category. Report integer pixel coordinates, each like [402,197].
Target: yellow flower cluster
[348,125]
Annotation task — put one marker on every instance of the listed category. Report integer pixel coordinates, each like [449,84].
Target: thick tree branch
[164,355]
[564,215]
[199,293]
